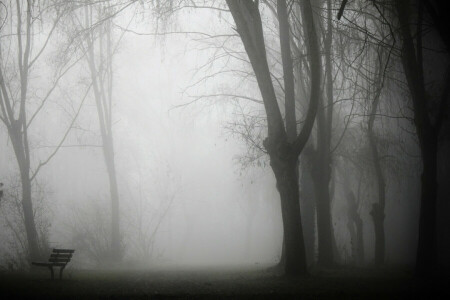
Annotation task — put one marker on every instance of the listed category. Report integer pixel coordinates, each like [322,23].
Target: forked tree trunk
[283,154]
[18,128]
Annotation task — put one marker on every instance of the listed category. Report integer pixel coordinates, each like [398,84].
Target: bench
[58,258]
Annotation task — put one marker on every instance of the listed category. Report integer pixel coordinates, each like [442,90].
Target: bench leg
[51,271]
[60,272]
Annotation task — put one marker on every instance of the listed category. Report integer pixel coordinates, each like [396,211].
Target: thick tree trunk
[287,185]
[283,154]
[426,260]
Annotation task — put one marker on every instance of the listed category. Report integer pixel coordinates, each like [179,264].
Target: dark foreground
[216,284]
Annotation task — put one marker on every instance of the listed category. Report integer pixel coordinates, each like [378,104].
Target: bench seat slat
[59,260]
[42,264]
[48,264]
[58,255]
[63,251]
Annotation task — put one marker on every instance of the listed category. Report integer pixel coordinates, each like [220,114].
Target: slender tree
[15,112]
[101,69]
[377,211]
[322,156]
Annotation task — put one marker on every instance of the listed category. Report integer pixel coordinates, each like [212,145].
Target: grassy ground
[215,283]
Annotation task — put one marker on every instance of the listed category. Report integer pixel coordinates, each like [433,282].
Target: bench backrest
[62,256]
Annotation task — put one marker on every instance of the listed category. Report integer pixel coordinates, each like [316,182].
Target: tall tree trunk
[426,260]
[359,241]
[377,211]
[103,101]
[322,173]
[115,215]
[283,154]
[355,223]
[323,210]
[289,91]
[18,133]
[308,206]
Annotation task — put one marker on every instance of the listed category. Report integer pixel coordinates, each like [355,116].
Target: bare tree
[428,123]
[101,68]
[282,148]
[15,97]
[378,208]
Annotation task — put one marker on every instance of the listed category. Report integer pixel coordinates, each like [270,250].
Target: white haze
[176,166]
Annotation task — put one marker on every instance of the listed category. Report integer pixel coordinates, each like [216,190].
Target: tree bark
[283,154]
[377,211]
[288,71]
[426,260]
[308,206]
[27,205]
[359,240]
[116,244]
[322,168]
[15,135]
[287,184]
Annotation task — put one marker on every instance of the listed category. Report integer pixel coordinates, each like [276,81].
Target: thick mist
[283,140]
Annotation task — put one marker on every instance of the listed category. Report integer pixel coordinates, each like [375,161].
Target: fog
[145,132]
[176,166]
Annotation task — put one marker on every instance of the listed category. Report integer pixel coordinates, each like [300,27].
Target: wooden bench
[58,258]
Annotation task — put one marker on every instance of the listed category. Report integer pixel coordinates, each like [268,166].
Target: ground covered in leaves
[217,283]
